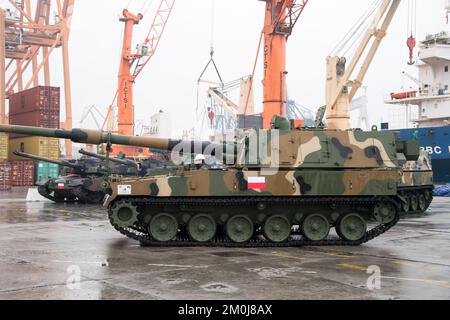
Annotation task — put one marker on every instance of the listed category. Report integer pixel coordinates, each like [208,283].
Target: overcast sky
[170,81]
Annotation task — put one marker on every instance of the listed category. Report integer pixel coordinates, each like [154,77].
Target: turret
[283,147]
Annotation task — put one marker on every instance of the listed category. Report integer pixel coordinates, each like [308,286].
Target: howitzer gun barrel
[95,137]
[102,157]
[37,158]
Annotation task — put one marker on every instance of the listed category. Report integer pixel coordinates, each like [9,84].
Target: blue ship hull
[436,141]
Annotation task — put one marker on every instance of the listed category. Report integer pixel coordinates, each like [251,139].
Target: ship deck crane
[413,79]
[340,89]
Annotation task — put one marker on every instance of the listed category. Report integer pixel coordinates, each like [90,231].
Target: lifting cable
[211,60]
[357,28]
[411,29]
[146,7]
[128,5]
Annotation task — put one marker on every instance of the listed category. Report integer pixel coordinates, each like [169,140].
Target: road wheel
[277,229]
[163,227]
[202,228]
[315,227]
[406,206]
[239,229]
[351,227]
[414,200]
[422,201]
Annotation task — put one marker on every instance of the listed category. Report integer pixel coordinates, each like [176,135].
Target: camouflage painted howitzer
[80,180]
[74,176]
[280,187]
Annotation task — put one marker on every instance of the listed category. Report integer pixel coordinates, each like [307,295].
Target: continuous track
[140,233]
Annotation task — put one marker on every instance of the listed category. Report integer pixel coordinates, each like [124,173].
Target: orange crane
[131,65]
[280,19]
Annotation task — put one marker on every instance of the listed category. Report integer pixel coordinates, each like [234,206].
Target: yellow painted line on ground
[276,254]
[338,255]
[412,264]
[281,255]
[354,267]
[439,283]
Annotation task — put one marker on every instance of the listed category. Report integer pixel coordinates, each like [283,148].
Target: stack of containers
[5,176]
[37,107]
[5,166]
[22,173]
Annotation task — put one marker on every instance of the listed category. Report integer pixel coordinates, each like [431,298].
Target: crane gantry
[26,37]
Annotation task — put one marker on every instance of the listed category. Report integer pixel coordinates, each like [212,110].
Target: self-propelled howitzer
[284,186]
[79,180]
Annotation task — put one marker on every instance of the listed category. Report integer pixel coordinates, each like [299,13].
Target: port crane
[340,87]
[26,34]
[132,63]
[281,17]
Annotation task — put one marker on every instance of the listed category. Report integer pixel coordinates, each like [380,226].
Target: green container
[45,170]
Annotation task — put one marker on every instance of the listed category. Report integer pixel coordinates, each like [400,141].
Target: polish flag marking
[60,185]
[256,183]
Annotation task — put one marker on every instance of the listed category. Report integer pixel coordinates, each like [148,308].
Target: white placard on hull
[124,190]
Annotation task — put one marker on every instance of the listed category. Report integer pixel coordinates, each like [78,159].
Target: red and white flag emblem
[61,186]
[256,183]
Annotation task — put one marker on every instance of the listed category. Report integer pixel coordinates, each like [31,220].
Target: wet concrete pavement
[43,246]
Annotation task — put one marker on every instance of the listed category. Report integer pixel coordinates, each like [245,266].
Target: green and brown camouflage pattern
[270,181]
[294,162]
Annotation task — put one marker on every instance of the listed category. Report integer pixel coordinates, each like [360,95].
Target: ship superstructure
[432,99]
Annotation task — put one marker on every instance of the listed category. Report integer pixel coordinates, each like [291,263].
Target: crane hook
[411,43]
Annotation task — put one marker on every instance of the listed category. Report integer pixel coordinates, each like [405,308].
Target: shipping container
[22,173]
[45,170]
[39,146]
[35,99]
[5,176]
[4,146]
[39,118]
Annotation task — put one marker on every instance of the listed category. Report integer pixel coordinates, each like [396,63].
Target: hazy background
[169,82]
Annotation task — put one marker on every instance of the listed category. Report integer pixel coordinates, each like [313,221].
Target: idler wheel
[315,227]
[277,229]
[125,214]
[384,212]
[422,202]
[202,228]
[163,227]
[351,227]
[239,229]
